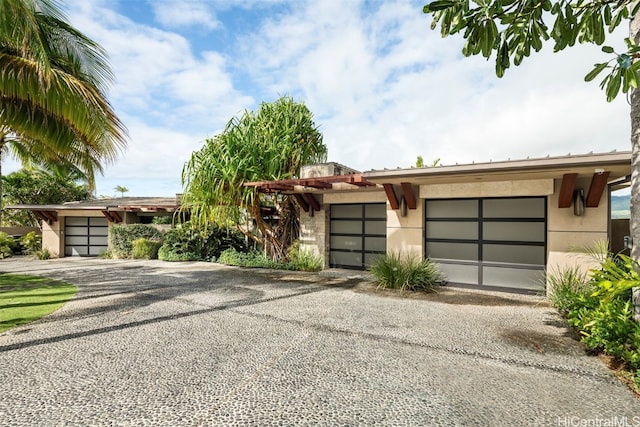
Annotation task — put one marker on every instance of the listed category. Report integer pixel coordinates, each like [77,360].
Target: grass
[24,299]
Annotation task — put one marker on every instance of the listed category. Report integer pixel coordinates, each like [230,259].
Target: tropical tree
[120,189]
[53,79]
[269,144]
[38,187]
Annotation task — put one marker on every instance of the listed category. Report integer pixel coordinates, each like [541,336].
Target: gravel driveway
[155,343]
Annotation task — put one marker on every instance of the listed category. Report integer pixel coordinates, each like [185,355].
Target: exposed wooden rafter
[566,189]
[391,196]
[409,197]
[40,215]
[302,202]
[112,216]
[598,184]
[312,201]
[51,216]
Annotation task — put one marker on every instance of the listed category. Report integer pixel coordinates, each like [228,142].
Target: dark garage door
[358,233]
[491,242]
[85,236]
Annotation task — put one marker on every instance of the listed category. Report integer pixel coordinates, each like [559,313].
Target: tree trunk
[634,221]
[2,143]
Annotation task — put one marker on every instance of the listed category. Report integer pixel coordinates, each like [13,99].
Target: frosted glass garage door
[490,241]
[85,236]
[358,233]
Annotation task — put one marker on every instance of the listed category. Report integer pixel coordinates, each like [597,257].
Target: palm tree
[120,189]
[53,107]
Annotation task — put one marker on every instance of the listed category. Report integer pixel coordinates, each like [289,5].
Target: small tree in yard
[513,28]
[269,144]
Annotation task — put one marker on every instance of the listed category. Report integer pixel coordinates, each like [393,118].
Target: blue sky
[384,88]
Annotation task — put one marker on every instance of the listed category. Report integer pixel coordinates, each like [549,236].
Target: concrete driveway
[155,343]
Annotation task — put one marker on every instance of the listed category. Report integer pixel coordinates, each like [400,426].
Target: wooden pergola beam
[312,201]
[116,216]
[391,196]
[407,190]
[598,184]
[323,185]
[51,216]
[566,189]
[40,215]
[108,216]
[302,202]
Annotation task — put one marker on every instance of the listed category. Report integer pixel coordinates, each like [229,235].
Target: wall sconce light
[578,202]
[403,207]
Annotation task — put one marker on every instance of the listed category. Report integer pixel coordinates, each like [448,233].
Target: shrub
[304,260]
[7,245]
[145,249]
[32,242]
[396,271]
[41,254]
[121,237]
[186,242]
[602,310]
[252,259]
[568,288]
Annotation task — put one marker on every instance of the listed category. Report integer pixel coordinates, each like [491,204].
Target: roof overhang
[618,164]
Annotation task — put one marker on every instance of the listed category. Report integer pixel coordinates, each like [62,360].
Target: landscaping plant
[121,237]
[601,309]
[32,242]
[189,242]
[405,272]
[7,245]
[252,259]
[304,260]
[145,249]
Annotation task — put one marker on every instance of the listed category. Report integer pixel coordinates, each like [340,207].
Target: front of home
[491,225]
[82,228]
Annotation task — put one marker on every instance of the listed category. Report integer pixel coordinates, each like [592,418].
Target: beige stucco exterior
[540,178]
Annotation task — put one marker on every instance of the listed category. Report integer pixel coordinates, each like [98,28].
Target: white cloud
[386,88]
[181,13]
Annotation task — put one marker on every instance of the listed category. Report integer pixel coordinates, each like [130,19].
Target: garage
[85,236]
[358,233]
[492,242]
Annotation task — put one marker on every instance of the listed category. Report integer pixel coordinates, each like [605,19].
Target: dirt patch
[540,342]
[447,295]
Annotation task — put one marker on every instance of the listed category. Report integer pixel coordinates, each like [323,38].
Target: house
[82,228]
[495,225]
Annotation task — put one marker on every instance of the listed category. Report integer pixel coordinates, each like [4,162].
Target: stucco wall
[567,232]
[405,234]
[52,238]
[532,187]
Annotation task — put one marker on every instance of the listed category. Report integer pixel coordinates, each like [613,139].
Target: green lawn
[24,299]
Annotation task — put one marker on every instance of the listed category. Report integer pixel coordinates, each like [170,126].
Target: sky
[383,87]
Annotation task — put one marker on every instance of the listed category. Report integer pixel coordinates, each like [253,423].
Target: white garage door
[85,236]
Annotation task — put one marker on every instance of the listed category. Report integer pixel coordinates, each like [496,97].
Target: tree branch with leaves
[269,144]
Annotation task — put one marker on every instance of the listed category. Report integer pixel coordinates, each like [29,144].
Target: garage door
[490,242]
[358,233]
[85,236]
